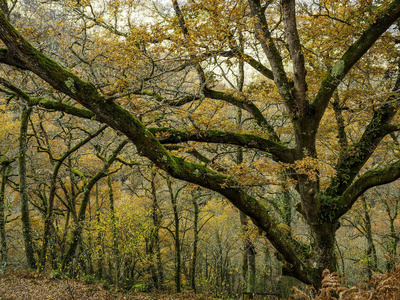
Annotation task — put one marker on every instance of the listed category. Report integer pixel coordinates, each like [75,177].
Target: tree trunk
[156,215]
[26,223]
[77,231]
[5,171]
[249,249]
[372,259]
[178,256]
[115,251]
[99,240]
[195,242]
[52,193]
[392,247]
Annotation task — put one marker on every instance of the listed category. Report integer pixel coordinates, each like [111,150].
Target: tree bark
[250,256]
[177,239]
[372,259]
[193,262]
[25,218]
[5,171]
[115,250]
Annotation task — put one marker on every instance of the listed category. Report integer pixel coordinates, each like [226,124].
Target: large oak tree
[304,54]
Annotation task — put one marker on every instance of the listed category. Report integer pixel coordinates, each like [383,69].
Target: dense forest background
[214,146]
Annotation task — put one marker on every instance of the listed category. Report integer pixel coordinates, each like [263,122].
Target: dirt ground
[28,285]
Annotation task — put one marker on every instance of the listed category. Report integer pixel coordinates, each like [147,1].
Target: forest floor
[28,285]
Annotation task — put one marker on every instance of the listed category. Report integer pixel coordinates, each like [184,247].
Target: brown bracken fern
[381,287]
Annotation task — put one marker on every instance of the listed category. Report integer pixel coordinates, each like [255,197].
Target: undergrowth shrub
[380,287]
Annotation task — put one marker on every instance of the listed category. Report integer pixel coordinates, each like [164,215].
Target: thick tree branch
[385,19]
[296,53]
[355,156]
[47,103]
[275,60]
[368,180]
[8,59]
[172,136]
[352,160]
[246,105]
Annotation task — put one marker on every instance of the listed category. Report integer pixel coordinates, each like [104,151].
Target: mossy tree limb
[332,80]
[172,136]
[354,157]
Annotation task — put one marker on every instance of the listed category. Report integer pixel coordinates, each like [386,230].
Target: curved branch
[62,107]
[386,18]
[171,136]
[354,157]
[47,103]
[258,66]
[296,53]
[368,180]
[264,37]
[178,102]
[217,95]
[246,105]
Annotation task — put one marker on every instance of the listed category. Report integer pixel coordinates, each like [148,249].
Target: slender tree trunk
[48,217]
[5,171]
[372,264]
[26,223]
[115,251]
[249,248]
[195,242]
[156,216]
[160,268]
[53,184]
[178,256]
[392,248]
[245,270]
[287,206]
[99,241]
[52,249]
[77,232]
[392,209]
[391,262]
[267,271]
